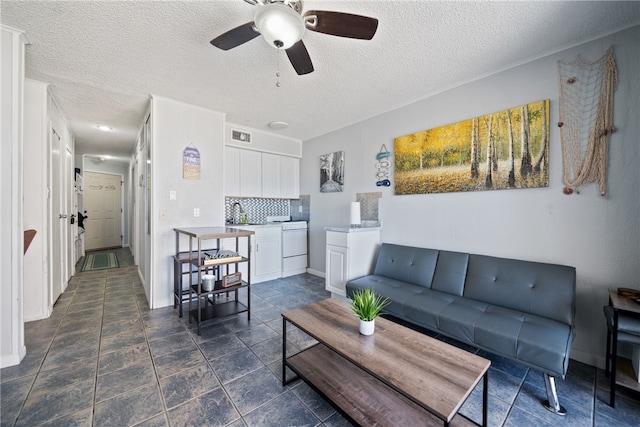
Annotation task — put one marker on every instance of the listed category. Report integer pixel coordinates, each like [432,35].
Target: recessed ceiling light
[104,128]
[278,125]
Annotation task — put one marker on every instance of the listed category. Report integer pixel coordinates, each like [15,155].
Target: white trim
[13,291]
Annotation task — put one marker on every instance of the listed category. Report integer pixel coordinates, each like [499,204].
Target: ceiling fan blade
[341,24]
[236,36]
[300,59]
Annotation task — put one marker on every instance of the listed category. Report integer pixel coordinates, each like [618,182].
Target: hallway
[104,359]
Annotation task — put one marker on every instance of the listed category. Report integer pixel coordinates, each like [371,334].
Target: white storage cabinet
[350,254]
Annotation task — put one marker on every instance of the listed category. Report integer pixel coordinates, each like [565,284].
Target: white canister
[208,282]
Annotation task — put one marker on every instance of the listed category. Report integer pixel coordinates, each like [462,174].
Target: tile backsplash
[257,209]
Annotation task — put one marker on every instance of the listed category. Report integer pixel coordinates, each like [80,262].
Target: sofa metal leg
[552,403]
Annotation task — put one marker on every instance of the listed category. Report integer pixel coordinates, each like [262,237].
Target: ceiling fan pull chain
[277,68]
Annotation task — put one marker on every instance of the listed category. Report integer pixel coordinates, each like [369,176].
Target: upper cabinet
[289,177]
[250,173]
[261,164]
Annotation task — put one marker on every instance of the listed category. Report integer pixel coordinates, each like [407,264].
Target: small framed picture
[232,279]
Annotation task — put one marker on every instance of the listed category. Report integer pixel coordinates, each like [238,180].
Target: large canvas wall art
[507,149]
[332,172]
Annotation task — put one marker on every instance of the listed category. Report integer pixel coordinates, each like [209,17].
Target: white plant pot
[367,327]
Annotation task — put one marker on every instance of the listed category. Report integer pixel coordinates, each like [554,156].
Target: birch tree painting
[332,172]
[491,152]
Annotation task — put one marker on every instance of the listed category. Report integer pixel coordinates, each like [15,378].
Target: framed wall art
[503,150]
[332,172]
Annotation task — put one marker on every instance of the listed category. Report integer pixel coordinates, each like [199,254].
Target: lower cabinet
[349,254]
[267,254]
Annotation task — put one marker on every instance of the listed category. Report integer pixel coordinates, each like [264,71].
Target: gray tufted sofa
[520,310]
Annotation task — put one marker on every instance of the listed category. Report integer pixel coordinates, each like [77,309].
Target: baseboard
[588,358]
[316,272]
[7,360]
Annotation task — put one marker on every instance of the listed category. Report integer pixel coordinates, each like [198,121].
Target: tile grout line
[165,410]
[95,383]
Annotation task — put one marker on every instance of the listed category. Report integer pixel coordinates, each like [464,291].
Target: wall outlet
[163,214]
[196,212]
[172,195]
[299,209]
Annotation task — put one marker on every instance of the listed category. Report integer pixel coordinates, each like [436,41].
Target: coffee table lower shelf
[362,397]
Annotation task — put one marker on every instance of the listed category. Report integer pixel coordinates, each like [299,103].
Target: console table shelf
[203,304]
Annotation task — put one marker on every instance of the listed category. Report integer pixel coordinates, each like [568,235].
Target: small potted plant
[367,305]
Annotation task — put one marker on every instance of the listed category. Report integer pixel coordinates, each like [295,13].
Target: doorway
[103,203]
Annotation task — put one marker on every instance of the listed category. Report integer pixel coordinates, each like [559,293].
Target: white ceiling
[104,58]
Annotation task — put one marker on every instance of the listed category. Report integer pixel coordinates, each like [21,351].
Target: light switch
[172,195]
[196,212]
[163,214]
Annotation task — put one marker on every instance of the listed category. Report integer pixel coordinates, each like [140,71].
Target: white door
[103,203]
[133,213]
[58,220]
[70,212]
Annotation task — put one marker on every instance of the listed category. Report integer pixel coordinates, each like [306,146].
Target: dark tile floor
[104,359]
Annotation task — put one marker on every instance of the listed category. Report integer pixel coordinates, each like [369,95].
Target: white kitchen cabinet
[280,176]
[243,173]
[250,173]
[266,252]
[271,181]
[350,253]
[267,259]
[289,177]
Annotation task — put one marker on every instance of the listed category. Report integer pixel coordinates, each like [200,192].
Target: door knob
[62,216]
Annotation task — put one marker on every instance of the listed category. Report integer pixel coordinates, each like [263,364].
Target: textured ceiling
[104,58]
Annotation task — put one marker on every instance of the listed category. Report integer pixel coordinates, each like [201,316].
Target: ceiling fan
[282,24]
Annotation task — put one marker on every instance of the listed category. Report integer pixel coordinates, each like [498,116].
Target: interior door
[69,213]
[57,216]
[103,203]
[133,221]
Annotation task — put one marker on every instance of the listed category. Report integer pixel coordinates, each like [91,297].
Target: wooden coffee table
[395,377]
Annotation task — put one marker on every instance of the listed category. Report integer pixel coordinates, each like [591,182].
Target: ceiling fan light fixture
[279,24]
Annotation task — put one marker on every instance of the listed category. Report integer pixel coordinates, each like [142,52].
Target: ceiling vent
[244,137]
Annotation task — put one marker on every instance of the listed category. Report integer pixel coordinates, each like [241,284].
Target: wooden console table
[395,377]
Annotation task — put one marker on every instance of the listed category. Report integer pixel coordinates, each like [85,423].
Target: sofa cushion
[451,271]
[407,264]
[425,308]
[546,290]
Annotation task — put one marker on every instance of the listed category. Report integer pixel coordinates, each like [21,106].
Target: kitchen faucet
[233,212]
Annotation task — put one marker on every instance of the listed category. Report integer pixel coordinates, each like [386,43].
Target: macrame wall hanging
[586,119]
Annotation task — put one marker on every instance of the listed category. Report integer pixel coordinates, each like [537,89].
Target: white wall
[600,236]
[12,348]
[175,126]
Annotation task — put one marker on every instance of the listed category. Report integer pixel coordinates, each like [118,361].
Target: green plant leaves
[367,305]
